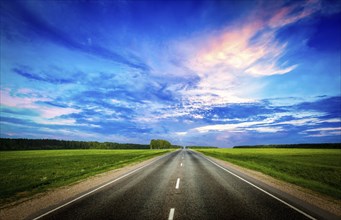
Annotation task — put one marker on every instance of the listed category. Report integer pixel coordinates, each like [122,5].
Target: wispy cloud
[39,26]
[241,127]
[27,73]
[32,104]
[228,59]
[269,120]
[293,13]
[323,132]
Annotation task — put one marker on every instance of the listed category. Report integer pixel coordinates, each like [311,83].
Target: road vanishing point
[183,185]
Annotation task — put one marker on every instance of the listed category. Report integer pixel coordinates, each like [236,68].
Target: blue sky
[219,73]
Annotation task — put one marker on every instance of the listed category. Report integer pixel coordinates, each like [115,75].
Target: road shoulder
[27,207]
[323,202]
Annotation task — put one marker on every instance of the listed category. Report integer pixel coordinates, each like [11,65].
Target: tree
[159,144]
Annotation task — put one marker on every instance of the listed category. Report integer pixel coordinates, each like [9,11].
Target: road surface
[181,185]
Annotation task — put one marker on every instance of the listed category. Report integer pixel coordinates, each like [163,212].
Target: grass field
[315,169]
[24,173]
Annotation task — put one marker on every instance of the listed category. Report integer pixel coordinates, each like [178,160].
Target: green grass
[24,173]
[315,169]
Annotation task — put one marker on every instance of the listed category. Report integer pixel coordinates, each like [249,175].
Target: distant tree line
[200,147]
[317,146]
[161,144]
[51,144]
[176,146]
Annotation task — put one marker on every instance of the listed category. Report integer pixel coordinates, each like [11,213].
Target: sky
[209,73]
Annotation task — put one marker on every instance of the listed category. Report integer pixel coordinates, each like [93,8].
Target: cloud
[20,102]
[241,127]
[266,129]
[324,129]
[324,132]
[330,105]
[237,111]
[228,61]
[229,49]
[293,13]
[16,121]
[263,118]
[18,111]
[181,133]
[49,78]
[46,30]
[268,70]
[32,104]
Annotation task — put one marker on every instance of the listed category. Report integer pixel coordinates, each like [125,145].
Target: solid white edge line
[269,194]
[177,183]
[94,190]
[171,214]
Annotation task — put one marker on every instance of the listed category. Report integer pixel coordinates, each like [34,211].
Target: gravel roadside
[321,201]
[25,208]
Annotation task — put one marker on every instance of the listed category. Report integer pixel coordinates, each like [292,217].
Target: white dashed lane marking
[171,214]
[177,183]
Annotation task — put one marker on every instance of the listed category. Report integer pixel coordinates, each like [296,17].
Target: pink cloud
[230,49]
[25,91]
[287,14]
[228,59]
[14,101]
[223,61]
[268,70]
[31,103]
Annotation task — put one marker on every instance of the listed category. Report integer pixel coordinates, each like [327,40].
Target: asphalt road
[181,185]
